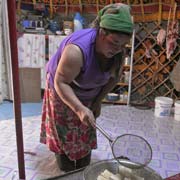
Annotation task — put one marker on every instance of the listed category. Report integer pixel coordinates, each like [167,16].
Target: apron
[62,130]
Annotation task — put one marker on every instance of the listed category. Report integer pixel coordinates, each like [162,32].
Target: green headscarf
[116,17]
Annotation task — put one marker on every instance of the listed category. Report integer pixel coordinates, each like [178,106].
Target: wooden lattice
[146,10]
[151,69]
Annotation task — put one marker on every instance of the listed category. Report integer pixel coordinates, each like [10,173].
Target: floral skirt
[62,130]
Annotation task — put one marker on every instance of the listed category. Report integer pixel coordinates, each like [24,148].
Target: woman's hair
[109,31]
[95,23]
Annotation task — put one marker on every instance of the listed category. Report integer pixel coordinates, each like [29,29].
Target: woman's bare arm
[68,69]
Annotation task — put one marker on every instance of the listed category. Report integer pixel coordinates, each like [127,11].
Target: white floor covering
[163,134]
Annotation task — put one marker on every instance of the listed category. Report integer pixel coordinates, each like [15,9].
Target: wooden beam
[16,88]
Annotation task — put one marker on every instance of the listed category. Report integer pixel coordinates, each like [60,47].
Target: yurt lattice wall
[151,68]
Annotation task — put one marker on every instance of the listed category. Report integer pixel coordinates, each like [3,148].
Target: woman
[85,68]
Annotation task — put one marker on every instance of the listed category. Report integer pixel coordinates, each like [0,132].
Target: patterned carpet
[162,133]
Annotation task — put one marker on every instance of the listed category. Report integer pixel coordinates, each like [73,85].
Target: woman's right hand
[86,116]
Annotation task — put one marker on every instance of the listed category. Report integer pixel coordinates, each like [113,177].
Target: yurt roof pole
[16,90]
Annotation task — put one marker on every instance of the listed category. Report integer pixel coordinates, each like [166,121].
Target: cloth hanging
[54,42]
[1,60]
[5,55]
[31,53]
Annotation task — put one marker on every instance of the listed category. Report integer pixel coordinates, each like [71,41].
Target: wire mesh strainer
[129,150]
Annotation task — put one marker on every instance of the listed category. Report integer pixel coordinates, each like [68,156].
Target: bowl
[94,170]
[112,97]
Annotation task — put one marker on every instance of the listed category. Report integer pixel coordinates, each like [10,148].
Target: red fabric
[62,130]
[175,177]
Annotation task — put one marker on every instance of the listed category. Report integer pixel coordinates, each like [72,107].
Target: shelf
[122,84]
[114,102]
[126,66]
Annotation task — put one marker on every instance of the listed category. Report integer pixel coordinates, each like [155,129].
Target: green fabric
[116,17]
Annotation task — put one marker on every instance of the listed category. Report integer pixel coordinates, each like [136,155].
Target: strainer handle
[103,132]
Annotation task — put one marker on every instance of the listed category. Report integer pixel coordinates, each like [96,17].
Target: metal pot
[94,170]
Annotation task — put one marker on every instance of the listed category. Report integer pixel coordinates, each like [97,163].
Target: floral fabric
[54,42]
[175,177]
[31,53]
[62,130]
[5,59]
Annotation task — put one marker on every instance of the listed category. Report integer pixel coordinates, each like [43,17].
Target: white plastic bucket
[177,110]
[163,106]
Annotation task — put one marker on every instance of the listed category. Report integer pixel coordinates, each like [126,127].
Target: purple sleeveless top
[91,79]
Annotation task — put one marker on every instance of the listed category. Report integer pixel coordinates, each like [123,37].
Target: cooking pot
[94,170]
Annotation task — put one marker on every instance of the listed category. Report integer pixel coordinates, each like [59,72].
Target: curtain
[5,55]
[54,42]
[1,56]
[31,53]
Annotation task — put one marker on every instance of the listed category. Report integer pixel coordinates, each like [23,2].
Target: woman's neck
[104,63]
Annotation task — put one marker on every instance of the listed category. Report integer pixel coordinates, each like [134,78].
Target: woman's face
[113,44]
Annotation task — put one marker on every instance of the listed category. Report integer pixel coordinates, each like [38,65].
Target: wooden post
[16,90]
[142,9]
[160,12]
